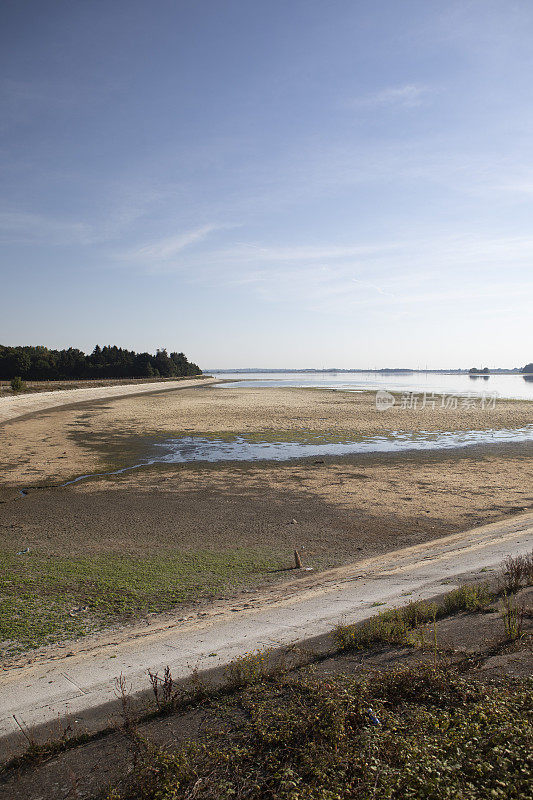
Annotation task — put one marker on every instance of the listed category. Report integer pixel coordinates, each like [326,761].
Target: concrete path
[19,405]
[79,684]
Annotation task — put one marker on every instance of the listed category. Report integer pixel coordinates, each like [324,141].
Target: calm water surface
[195,448]
[187,449]
[506,386]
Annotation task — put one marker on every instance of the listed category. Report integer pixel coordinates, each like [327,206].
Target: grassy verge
[416,733]
[273,730]
[45,598]
[396,626]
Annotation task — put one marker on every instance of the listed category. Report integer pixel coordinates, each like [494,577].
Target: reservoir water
[518,387]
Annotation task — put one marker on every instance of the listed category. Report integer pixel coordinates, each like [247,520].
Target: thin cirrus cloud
[410,273]
[409,95]
[244,251]
[169,247]
[427,254]
[27,227]
[374,286]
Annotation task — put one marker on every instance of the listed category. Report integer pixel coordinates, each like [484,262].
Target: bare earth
[78,684]
[342,506]
[334,510]
[43,396]
[57,444]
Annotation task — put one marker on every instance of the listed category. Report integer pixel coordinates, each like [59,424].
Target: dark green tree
[40,363]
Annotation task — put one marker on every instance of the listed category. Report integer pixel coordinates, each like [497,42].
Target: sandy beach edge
[16,406]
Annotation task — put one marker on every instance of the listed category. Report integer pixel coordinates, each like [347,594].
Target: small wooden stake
[297,560]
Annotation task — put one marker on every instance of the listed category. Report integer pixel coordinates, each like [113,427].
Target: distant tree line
[41,364]
[528,368]
[476,371]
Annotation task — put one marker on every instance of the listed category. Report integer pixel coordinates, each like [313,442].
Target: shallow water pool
[190,449]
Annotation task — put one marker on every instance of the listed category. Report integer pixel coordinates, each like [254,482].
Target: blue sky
[279,184]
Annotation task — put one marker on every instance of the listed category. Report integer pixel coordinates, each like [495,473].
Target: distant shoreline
[385,371]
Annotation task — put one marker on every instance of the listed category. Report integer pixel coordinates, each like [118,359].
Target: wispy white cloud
[408,95]
[167,248]
[119,212]
[243,251]
[401,274]
[374,286]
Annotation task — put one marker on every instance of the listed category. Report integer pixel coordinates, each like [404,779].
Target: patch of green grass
[45,598]
[430,734]
[118,451]
[389,627]
[473,597]
[395,626]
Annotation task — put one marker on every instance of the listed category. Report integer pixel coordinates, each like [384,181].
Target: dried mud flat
[331,510]
[334,510]
[54,445]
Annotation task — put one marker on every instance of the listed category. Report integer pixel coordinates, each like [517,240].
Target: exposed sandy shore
[360,504]
[373,502]
[55,446]
[334,510]
[16,405]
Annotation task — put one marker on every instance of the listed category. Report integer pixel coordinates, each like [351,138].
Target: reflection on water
[517,386]
[188,449]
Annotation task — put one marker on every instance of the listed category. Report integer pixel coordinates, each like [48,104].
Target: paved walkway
[80,682]
[18,405]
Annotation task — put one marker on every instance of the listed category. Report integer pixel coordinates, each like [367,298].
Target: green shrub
[474,597]
[516,572]
[419,611]
[18,385]
[513,618]
[389,627]
[248,669]
[437,736]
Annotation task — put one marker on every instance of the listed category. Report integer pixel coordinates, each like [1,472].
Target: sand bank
[17,405]
[57,445]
